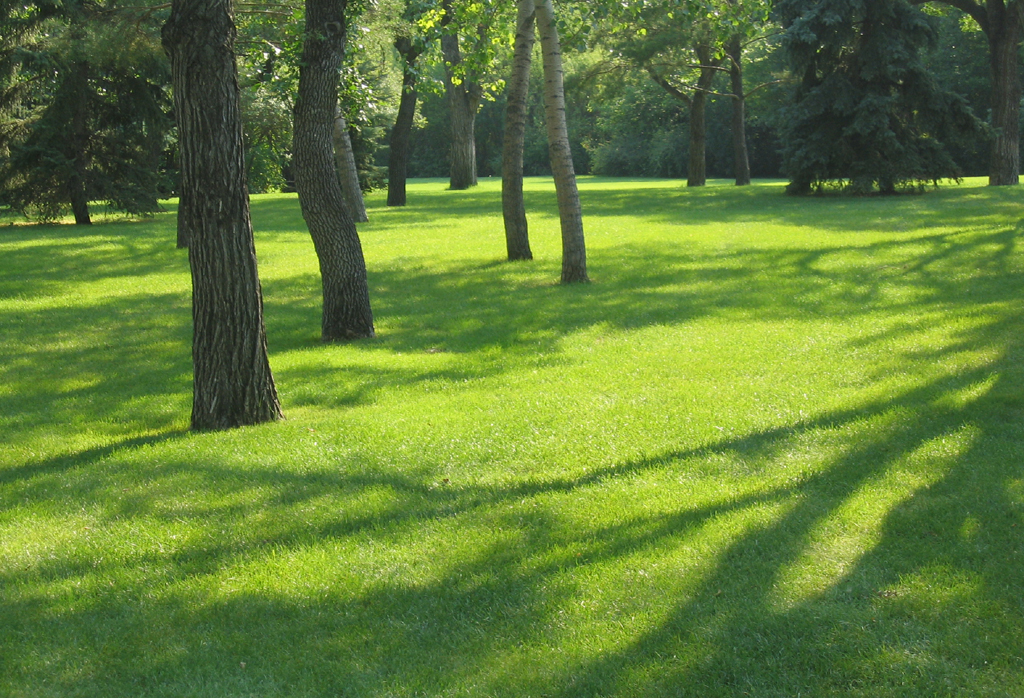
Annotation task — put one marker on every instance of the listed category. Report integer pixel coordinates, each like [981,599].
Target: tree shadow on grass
[349,605]
[890,566]
[489,319]
[110,368]
[670,201]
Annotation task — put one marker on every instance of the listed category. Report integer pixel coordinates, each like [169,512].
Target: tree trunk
[232,384]
[1004,37]
[346,312]
[696,173]
[345,163]
[79,143]
[739,112]
[517,238]
[463,100]
[574,252]
[398,158]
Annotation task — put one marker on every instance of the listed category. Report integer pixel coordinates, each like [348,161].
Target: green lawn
[775,449]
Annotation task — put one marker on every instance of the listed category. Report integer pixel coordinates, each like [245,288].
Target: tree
[472,43]
[574,253]
[232,383]
[345,163]
[464,94]
[82,92]
[409,42]
[517,238]
[696,98]
[1003,24]
[681,52]
[398,157]
[867,113]
[346,297]
[734,55]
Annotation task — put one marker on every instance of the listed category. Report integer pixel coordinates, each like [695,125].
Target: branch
[667,86]
[765,84]
[978,12]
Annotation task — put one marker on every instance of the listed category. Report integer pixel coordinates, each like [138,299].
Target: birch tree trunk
[574,253]
[346,311]
[517,238]
[345,163]
[232,384]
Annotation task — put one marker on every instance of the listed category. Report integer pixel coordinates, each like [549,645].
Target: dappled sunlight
[835,545]
[733,458]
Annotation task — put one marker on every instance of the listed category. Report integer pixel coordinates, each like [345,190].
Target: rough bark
[463,99]
[346,297]
[232,384]
[398,157]
[574,253]
[1004,37]
[345,163]
[1003,24]
[739,112]
[517,238]
[79,143]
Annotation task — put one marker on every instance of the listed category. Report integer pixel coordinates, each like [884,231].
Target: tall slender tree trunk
[1004,36]
[739,111]
[232,385]
[346,312]
[79,143]
[696,173]
[345,163]
[398,157]
[574,252]
[517,238]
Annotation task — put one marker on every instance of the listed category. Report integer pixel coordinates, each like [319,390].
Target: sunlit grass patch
[774,449]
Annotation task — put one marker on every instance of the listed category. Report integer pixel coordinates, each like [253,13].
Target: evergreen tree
[85,111]
[867,113]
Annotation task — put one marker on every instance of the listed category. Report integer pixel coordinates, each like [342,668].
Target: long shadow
[46,260]
[267,597]
[359,632]
[670,201]
[468,310]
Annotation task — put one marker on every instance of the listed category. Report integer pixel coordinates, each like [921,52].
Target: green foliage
[775,449]
[268,45]
[868,115]
[84,100]
[644,133]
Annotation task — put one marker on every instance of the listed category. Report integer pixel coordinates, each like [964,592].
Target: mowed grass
[775,449]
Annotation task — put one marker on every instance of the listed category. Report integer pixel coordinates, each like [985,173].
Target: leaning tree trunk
[1004,37]
[398,157]
[739,112]
[517,238]
[345,163]
[78,84]
[232,385]
[574,252]
[346,312]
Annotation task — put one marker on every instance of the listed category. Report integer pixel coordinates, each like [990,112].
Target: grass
[775,449]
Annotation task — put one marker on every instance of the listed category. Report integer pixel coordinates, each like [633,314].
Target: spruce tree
[867,115]
[83,111]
